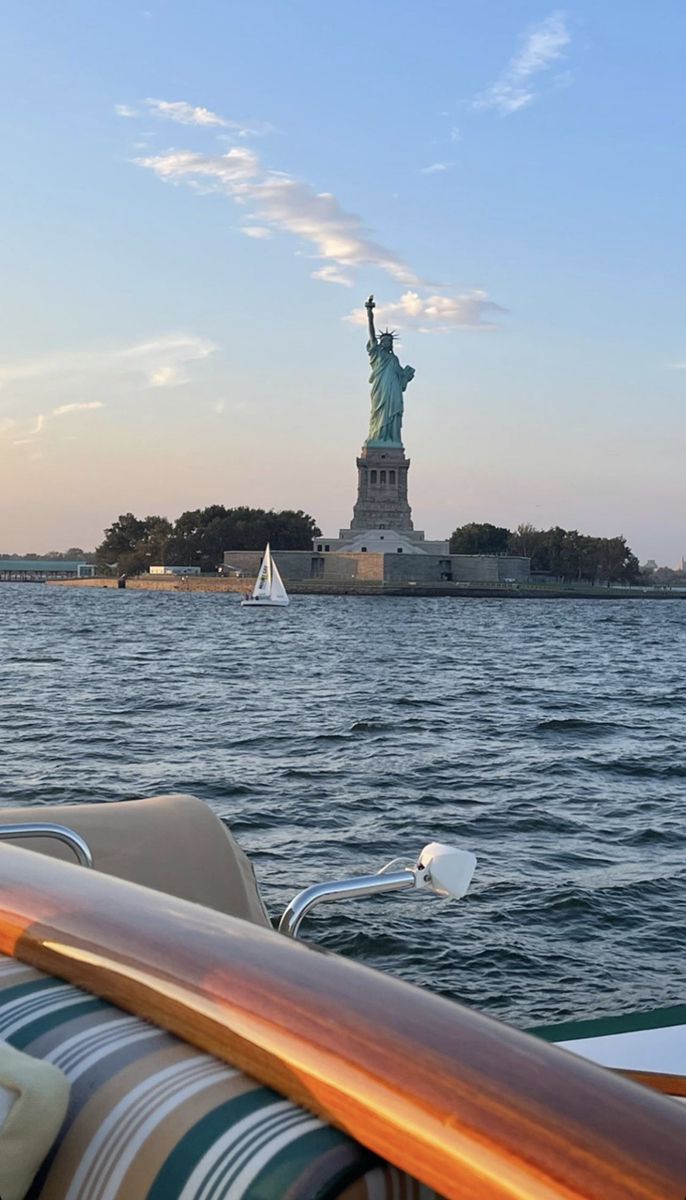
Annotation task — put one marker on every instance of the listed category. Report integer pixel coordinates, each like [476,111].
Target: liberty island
[379,553]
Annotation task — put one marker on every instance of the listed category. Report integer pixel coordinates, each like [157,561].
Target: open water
[549,737]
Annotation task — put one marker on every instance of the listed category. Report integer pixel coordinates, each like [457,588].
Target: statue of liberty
[388,380]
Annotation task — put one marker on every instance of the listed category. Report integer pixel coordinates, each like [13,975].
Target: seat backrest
[173,843]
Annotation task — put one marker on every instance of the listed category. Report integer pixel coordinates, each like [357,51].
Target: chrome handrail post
[343,889]
[47,829]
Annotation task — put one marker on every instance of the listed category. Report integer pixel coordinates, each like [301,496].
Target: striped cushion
[151,1118]
[387,1183]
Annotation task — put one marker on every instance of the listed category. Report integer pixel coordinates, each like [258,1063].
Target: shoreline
[541,591]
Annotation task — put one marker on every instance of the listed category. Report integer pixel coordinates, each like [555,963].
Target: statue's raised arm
[370,306]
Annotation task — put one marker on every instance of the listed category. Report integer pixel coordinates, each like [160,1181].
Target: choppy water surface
[547,736]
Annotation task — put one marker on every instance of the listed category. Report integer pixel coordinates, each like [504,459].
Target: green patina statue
[388,380]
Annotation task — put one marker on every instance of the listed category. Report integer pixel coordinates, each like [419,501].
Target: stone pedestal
[382,489]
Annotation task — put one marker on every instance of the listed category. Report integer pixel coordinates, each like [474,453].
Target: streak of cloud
[143,358]
[541,47]
[161,362]
[435,313]
[258,232]
[333,275]
[278,202]
[183,113]
[63,409]
[281,202]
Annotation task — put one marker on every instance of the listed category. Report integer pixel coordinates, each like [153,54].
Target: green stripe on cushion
[41,984]
[200,1139]
[571,1031]
[290,1173]
[317,1166]
[35,1029]
[72,1002]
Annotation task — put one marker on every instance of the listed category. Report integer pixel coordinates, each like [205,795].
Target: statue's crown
[391,333]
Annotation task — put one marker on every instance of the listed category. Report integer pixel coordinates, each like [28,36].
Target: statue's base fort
[333,567]
[382,517]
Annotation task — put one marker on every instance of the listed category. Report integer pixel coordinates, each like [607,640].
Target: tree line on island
[201,536]
[559,553]
[73,554]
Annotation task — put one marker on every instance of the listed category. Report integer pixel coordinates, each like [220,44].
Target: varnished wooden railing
[659,1081]
[470,1107]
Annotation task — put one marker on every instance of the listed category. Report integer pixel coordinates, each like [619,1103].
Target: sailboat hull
[257,602]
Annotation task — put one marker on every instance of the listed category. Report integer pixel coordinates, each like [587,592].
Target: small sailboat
[268,591]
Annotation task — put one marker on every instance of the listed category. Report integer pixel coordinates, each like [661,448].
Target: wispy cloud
[434,314]
[333,275]
[224,172]
[259,232]
[277,202]
[164,361]
[144,359]
[63,409]
[183,113]
[161,362]
[436,168]
[281,202]
[31,435]
[541,47]
[167,377]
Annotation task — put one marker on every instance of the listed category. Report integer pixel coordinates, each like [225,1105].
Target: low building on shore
[168,569]
[38,570]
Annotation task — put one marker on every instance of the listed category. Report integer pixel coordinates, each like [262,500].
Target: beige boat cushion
[174,843]
[33,1104]
[152,1118]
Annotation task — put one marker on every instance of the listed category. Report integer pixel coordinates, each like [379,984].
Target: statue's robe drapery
[388,381]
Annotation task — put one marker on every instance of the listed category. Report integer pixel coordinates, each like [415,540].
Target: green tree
[131,544]
[575,557]
[200,536]
[479,539]
[524,541]
[203,535]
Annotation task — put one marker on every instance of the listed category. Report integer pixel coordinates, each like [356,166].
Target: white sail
[263,583]
[269,590]
[279,594]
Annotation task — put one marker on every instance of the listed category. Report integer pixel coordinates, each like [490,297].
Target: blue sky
[198,198]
